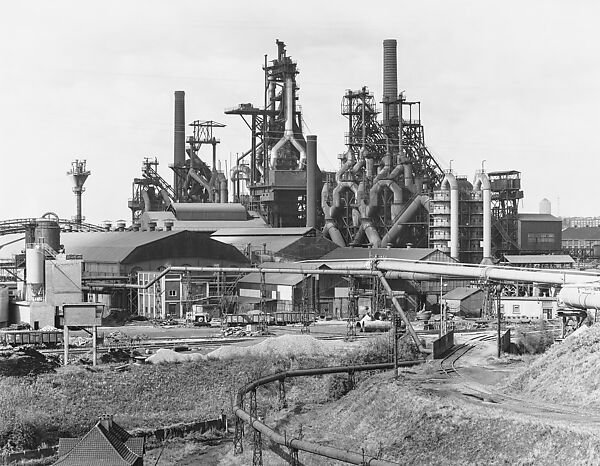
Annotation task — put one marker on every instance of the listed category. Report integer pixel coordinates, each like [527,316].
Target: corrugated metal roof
[111,246]
[539,218]
[391,253]
[292,231]
[591,233]
[539,259]
[461,293]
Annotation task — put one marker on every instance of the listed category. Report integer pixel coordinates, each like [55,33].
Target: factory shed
[123,253]
[463,301]
[277,244]
[539,232]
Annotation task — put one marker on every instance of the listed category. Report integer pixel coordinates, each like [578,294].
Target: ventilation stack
[179,138]
[390,84]
[311,181]
[79,175]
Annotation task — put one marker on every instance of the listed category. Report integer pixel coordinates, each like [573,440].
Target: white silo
[545,207]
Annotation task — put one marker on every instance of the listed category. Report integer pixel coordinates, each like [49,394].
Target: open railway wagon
[241,320]
[31,337]
[293,317]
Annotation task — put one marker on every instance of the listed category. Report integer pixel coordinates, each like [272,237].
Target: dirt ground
[465,418]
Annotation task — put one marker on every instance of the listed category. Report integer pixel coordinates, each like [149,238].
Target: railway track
[448,363]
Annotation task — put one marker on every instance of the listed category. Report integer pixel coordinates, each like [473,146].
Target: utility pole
[498,315]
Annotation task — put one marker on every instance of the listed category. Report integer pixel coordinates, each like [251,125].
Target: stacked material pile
[282,346]
[568,372]
[25,361]
[163,356]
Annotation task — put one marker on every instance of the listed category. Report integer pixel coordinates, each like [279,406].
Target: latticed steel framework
[277,182]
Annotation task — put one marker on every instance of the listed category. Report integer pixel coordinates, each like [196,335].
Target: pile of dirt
[25,361]
[115,355]
[283,346]
[165,356]
[568,372]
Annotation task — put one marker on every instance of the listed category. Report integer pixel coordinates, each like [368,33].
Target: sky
[515,84]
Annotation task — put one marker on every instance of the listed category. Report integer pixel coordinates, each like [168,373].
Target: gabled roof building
[107,444]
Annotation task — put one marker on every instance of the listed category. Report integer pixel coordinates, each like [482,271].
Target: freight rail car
[31,337]
[293,317]
[241,320]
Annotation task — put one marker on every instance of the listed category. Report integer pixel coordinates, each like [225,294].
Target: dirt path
[481,377]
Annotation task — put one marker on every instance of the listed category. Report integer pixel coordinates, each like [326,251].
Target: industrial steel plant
[391,241]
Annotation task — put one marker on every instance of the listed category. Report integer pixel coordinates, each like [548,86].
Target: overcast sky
[515,83]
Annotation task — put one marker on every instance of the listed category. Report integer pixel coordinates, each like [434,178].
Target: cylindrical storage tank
[545,207]
[311,181]
[596,250]
[3,306]
[48,230]
[34,264]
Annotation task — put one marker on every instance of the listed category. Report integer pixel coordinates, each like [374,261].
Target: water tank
[545,207]
[49,230]
[3,306]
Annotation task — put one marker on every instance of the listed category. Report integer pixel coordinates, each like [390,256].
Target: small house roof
[106,443]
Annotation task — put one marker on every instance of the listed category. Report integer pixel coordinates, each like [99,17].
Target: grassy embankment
[39,410]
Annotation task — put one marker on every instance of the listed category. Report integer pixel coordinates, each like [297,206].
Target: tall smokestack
[311,181]
[390,78]
[179,136]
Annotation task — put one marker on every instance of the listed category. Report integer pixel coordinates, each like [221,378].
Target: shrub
[338,386]
[536,341]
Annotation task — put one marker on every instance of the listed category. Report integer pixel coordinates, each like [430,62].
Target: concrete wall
[36,314]
[443,344]
[4,314]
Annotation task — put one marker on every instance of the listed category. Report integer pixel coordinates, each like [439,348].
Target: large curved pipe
[200,179]
[288,133]
[366,223]
[302,445]
[374,197]
[385,170]
[409,212]
[347,165]
[330,230]
[450,180]
[336,208]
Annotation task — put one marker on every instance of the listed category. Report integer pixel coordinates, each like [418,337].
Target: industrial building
[582,242]
[277,244]
[465,301]
[389,198]
[539,233]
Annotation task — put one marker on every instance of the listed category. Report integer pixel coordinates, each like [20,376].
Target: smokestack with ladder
[79,175]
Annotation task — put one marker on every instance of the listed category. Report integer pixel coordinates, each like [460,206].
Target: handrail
[297,444]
